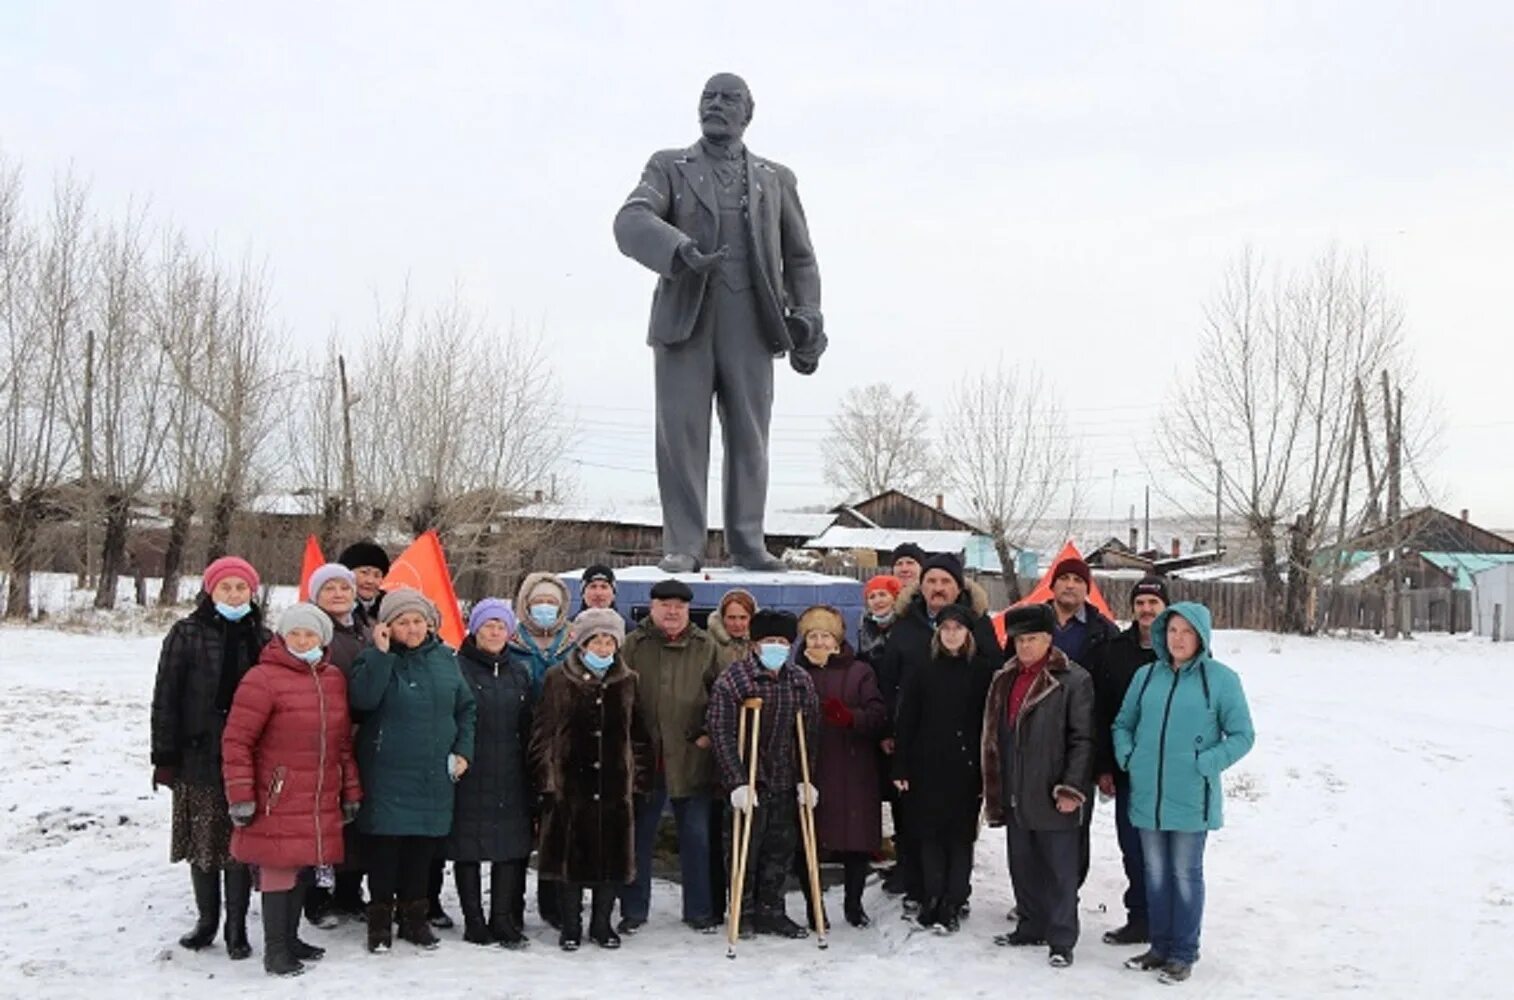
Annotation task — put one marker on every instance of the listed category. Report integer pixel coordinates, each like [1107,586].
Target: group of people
[348,746]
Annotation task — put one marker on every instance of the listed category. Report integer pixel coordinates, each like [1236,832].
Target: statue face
[725,108]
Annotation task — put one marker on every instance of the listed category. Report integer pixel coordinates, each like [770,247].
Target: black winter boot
[507,890]
[207,888]
[548,900]
[435,915]
[570,913]
[238,898]
[380,927]
[855,878]
[470,896]
[1134,932]
[299,949]
[603,904]
[414,925]
[279,913]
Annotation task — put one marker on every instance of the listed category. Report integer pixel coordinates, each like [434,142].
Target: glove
[837,714]
[242,812]
[808,794]
[349,811]
[165,775]
[744,798]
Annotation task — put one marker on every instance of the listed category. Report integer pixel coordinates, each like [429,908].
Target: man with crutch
[765,812]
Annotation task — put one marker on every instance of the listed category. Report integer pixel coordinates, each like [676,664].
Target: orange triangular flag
[1041,593]
[312,561]
[423,566]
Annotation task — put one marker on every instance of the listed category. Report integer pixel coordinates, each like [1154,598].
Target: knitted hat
[883,581]
[774,625]
[599,572]
[955,613]
[325,574]
[909,550]
[228,566]
[823,618]
[1076,567]
[599,621]
[405,600]
[947,563]
[546,588]
[304,615]
[364,554]
[671,590]
[1153,586]
[741,597]
[492,609]
[1029,618]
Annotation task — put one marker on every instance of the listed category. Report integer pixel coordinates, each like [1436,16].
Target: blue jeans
[1174,891]
[1130,851]
[693,817]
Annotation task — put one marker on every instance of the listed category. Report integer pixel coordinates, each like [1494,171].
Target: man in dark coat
[1037,747]
[1112,665]
[908,648]
[738,285]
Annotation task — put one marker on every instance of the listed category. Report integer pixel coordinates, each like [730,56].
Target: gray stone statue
[737,286]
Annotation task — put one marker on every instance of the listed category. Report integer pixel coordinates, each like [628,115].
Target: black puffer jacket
[909,644]
[1049,748]
[1112,664]
[492,817]
[204,659]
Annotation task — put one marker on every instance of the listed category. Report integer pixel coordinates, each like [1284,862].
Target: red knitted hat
[1076,567]
[883,581]
[230,566]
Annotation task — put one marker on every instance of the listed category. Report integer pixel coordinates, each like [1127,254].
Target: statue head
[725,108]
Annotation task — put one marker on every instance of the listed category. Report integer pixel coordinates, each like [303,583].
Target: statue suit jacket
[676,201]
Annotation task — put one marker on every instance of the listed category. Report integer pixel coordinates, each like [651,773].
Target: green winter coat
[417,709]
[674,691]
[1178,731]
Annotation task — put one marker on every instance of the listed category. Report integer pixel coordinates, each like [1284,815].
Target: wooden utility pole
[1394,482]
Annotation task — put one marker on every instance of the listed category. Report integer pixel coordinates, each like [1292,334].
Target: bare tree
[45,282]
[1272,400]
[879,440]
[1012,457]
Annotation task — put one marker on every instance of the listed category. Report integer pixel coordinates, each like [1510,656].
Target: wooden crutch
[807,833]
[741,821]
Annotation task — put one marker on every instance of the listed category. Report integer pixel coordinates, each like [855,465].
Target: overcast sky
[1061,183]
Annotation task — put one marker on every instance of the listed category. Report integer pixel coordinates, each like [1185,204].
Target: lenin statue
[737,287]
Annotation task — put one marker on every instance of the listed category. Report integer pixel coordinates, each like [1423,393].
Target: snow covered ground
[1370,850]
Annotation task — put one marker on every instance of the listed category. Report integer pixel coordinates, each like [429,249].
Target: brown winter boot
[414,925]
[380,927]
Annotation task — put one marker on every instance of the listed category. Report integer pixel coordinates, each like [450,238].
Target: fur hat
[325,574]
[599,621]
[405,600]
[492,609]
[307,616]
[823,618]
[365,554]
[1076,567]
[947,563]
[229,566]
[1029,618]
[774,625]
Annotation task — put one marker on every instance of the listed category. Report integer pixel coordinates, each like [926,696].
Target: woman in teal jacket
[415,741]
[1183,722]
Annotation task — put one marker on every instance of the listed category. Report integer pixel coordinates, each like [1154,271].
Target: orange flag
[312,561]
[423,566]
[1042,591]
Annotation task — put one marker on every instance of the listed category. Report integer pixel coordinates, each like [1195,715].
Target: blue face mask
[233,612]
[311,655]
[772,655]
[544,615]
[597,663]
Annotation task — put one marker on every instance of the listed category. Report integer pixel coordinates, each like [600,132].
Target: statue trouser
[726,359]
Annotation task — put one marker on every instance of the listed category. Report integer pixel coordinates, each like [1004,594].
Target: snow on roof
[887,539]
[795,524]
[285,504]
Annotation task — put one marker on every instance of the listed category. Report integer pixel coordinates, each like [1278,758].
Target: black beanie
[1154,586]
[599,572]
[364,554]
[909,550]
[947,562]
[774,625]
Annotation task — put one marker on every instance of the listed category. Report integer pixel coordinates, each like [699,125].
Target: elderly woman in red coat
[290,776]
[849,815]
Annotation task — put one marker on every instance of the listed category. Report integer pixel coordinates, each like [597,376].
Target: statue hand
[698,261]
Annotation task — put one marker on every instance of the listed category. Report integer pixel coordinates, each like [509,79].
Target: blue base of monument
[792,591]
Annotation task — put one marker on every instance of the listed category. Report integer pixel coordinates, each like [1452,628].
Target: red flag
[423,566]
[1042,590]
[312,561]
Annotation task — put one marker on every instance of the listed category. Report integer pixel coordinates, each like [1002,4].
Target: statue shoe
[761,562]
[679,563]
